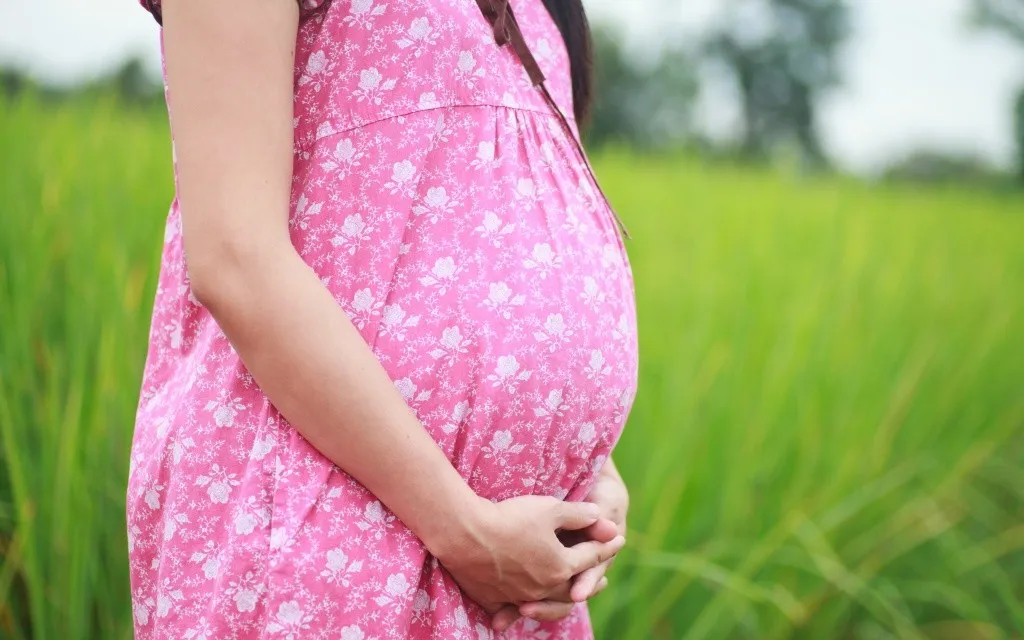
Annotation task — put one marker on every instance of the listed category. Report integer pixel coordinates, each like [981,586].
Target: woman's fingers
[586,555]
[546,610]
[555,609]
[574,515]
[505,618]
[585,583]
[604,530]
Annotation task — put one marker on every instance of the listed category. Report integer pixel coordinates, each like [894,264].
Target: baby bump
[520,362]
[488,277]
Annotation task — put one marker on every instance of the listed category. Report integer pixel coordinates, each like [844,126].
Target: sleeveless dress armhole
[306,7]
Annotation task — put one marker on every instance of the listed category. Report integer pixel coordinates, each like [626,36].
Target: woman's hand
[611,496]
[511,552]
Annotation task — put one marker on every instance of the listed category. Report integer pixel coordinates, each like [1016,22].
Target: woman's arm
[229,73]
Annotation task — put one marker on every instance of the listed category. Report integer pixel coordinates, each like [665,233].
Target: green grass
[828,441]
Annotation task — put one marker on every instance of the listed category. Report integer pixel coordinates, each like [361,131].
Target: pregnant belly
[488,277]
[521,363]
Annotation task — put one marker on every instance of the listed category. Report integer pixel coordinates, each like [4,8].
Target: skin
[234,159]
[610,494]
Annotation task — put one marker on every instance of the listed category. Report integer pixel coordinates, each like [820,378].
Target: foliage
[931,166]
[827,441]
[1007,17]
[645,105]
[783,56]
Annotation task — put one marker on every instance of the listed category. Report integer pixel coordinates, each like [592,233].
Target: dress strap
[506,31]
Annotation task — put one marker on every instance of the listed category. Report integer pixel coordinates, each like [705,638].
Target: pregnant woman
[394,337]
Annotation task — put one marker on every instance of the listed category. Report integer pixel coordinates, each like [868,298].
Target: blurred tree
[934,166]
[1007,16]
[783,55]
[130,83]
[647,105]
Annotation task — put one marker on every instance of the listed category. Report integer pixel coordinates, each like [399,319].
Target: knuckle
[535,593]
[563,575]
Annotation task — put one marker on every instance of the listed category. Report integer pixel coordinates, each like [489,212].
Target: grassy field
[828,441]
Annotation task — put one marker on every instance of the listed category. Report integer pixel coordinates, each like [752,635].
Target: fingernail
[593,511]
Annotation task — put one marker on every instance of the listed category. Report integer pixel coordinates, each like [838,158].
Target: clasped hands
[537,556]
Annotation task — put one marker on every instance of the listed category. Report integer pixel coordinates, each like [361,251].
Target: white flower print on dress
[290,622]
[485,158]
[142,606]
[554,332]
[375,519]
[453,345]
[317,70]
[407,388]
[153,496]
[396,590]
[372,86]
[362,12]
[395,322]
[419,36]
[553,405]
[421,605]
[179,446]
[443,275]
[344,159]
[501,445]
[304,213]
[225,409]
[484,633]
[437,204]
[252,515]
[597,367]
[340,571]
[166,598]
[592,293]
[543,260]
[527,193]
[428,100]
[459,414]
[507,374]
[363,307]
[261,447]
[171,525]
[467,71]
[353,232]
[208,556]
[245,591]
[493,229]
[218,484]
[401,179]
[352,632]
[501,300]
[202,631]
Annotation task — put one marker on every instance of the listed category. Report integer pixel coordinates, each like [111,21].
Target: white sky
[916,75]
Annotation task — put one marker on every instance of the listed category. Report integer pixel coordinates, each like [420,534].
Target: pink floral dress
[444,205]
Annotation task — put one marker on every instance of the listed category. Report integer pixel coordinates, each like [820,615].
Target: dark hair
[572,22]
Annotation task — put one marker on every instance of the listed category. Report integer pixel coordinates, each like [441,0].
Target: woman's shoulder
[154,7]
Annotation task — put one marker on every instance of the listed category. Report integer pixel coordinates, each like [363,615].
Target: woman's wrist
[458,527]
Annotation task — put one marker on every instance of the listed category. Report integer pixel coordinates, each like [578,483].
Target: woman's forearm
[321,375]
[232,125]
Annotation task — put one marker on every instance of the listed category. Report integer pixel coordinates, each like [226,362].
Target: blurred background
[827,204]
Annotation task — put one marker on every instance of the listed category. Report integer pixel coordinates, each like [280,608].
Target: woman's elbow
[221,271]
